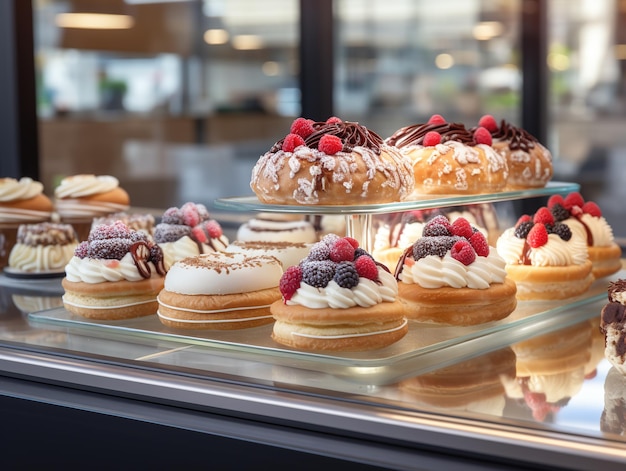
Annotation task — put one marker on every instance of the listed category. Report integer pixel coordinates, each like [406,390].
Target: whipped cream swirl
[594,230]
[13,190]
[91,270]
[79,186]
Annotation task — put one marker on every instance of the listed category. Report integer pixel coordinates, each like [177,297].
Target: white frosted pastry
[271,227]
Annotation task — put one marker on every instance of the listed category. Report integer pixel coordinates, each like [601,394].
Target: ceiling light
[247,42]
[216,36]
[487,30]
[94,21]
[444,61]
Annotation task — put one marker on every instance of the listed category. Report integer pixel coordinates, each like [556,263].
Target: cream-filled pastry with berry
[586,222]
[451,276]
[187,231]
[338,299]
[544,259]
[116,273]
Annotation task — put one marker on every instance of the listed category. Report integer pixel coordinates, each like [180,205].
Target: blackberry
[166,232]
[562,230]
[433,246]
[172,216]
[436,230]
[522,230]
[138,236]
[361,251]
[319,251]
[346,275]
[156,254]
[318,273]
[559,213]
[111,249]
[82,250]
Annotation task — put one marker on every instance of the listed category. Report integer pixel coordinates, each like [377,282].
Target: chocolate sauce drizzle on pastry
[414,135]
[518,138]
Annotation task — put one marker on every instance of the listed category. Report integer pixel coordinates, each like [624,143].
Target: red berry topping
[554,200]
[488,122]
[573,199]
[592,208]
[292,141]
[330,144]
[479,244]
[214,229]
[462,228]
[432,138]
[191,217]
[353,242]
[366,267]
[537,236]
[342,251]
[290,282]
[436,119]
[302,127]
[333,120]
[482,136]
[544,216]
[463,252]
[199,235]
[523,218]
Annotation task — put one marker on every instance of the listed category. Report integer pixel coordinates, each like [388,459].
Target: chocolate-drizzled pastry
[613,325]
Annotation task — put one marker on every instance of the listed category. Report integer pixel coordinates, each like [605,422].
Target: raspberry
[318,273]
[522,229]
[170,232]
[432,138]
[559,212]
[191,217]
[319,251]
[213,228]
[341,251]
[462,228]
[302,127]
[488,122]
[330,144]
[463,252]
[292,141]
[172,216]
[537,236]
[346,275]
[562,230]
[203,213]
[592,208]
[555,199]
[330,239]
[436,119]
[573,199]
[199,235]
[366,267]
[82,249]
[479,244]
[290,282]
[482,136]
[353,242]
[544,216]
[523,218]
[333,120]
[433,246]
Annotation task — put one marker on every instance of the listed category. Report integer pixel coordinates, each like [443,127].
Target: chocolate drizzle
[616,287]
[414,135]
[518,138]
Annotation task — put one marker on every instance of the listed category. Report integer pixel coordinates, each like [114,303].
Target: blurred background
[179,98]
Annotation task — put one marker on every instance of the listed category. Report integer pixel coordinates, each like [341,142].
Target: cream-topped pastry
[273,227]
[289,253]
[586,222]
[338,298]
[23,201]
[89,196]
[544,259]
[42,248]
[187,231]
[115,274]
[221,291]
[452,276]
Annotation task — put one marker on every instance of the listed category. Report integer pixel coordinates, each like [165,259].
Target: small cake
[136,221]
[586,222]
[80,198]
[449,159]
[451,276]
[220,291]
[613,325]
[288,253]
[331,163]
[338,299]
[275,227]
[116,273]
[187,231]
[41,249]
[529,162]
[21,202]
[544,259]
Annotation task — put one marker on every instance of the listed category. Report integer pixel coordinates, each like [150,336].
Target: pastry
[331,163]
[41,249]
[613,325]
[187,231]
[587,223]
[544,259]
[288,253]
[220,291]
[142,222]
[80,198]
[476,385]
[449,159]
[21,202]
[529,162]
[338,299]
[275,227]
[451,276]
[116,273]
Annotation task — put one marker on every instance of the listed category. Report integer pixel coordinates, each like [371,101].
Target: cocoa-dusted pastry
[449,159]
[613,325]
[288,253]
[116,273]
[331,163]
[529,161]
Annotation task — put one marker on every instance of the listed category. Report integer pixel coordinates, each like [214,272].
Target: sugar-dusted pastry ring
[112,300]
[352,329]
[550,283]
[605,260]
[528,168]
[458,306]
